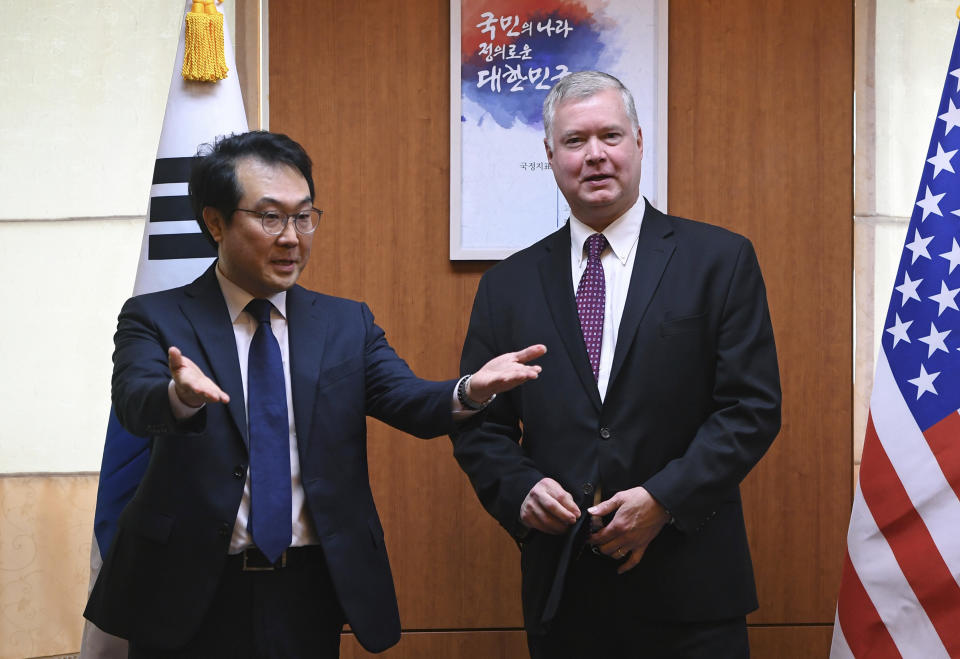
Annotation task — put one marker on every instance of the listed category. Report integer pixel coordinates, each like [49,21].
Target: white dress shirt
[244,327]
[617,262]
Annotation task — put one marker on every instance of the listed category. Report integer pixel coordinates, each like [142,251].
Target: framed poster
[504,57]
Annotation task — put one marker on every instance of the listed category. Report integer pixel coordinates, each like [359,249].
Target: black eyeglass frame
[286,218]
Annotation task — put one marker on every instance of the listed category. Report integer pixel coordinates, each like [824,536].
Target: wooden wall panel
[790,642]
[760,138]
[366,91]
[766,642]
[446,645]
[248,58]
[760,141]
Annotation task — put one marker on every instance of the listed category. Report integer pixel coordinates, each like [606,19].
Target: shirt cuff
[182,411]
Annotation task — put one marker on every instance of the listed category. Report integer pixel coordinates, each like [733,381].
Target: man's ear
[546,146]
[214,221]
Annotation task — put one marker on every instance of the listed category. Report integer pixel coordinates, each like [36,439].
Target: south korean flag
[174,252]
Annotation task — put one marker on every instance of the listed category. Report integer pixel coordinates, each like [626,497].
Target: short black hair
[213,175]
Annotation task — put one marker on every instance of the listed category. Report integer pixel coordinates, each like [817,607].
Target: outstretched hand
[504,373]
[637,520]
[192,386]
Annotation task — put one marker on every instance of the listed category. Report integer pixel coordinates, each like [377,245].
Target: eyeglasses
[274,222]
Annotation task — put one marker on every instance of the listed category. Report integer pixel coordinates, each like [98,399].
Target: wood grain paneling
[760,141]
[446,645]
[790,642]
[766,642]
[248,58]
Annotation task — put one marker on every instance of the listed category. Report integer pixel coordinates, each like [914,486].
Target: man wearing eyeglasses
[253,532]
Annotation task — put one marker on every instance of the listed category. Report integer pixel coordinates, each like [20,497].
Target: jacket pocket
[339,371]
[153,526]
[683,325]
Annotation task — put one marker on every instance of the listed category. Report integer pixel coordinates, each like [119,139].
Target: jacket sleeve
[141,376]
[395,395]
[746,398]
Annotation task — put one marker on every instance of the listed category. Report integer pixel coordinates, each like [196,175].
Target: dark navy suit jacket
[692,404]
[163,567]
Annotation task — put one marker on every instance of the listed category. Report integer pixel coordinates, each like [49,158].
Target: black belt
[252,559]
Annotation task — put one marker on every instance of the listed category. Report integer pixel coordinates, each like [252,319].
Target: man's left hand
[504,373]
[638,520]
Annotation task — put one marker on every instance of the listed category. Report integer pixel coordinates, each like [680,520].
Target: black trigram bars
[175,209]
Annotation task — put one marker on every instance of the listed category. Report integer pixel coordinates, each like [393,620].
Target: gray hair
[581,85]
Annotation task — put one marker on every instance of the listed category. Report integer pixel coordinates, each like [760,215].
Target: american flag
[899,595]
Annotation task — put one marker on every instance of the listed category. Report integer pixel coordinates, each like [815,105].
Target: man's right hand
[549,508]
[193,388]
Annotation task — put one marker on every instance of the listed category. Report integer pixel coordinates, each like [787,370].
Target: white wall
[63,284]
[84,86]
[913,45]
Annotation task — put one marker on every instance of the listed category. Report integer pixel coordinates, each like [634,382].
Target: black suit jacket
[692,404]
[163,567]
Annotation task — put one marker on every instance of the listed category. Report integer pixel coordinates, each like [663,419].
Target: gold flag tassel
[203,58]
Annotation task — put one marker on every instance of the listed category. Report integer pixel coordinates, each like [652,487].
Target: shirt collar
[622,233]
[237,298]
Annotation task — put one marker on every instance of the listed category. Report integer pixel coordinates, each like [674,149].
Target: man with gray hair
[618,475]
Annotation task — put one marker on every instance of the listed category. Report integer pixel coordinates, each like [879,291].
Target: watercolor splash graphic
[513,52]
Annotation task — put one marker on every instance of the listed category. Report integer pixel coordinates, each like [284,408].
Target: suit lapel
[306,334]
[206,310]
[557,278]
[655,246]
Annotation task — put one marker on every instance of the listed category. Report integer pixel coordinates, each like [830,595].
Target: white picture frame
[502,193]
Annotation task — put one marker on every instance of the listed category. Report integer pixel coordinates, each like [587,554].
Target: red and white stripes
[899,594]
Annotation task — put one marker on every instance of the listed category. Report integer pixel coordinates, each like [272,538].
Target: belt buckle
[267,568]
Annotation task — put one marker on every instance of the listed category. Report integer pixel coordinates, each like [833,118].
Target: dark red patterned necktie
[591,296]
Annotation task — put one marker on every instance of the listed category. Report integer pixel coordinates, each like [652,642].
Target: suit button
[239,471]
[604,433]
[588,488]
[225,530]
